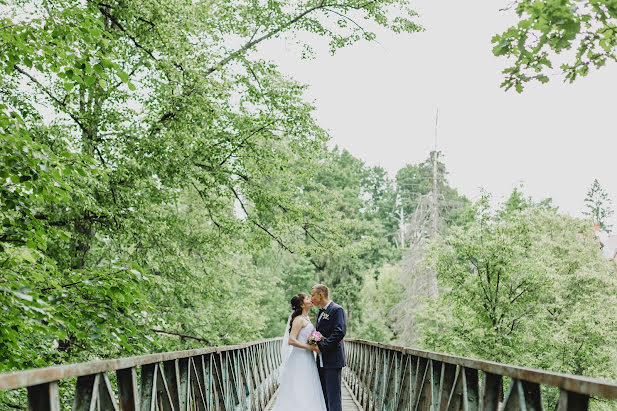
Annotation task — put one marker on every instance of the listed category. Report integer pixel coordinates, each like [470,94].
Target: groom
[332,324]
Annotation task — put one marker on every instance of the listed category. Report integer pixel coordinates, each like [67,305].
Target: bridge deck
[349,402]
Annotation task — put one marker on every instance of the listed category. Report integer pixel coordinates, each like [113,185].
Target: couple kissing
[313,356]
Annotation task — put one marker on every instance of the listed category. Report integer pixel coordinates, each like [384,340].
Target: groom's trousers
[331,386]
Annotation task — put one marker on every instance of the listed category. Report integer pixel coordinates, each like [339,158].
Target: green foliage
[415,182]
[583,33]
[526,286]
[161,187]
[160,184]
[381,292]
[393,294]
[349,238]
[598,206]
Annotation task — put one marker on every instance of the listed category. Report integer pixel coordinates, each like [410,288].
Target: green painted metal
[244,377]
[390,378]
[44,397]
[239,377]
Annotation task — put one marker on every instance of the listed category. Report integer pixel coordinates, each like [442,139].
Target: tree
[414,280]
[572,35]
[146,151]
[526,287]
[414,184]
[598,206]
[379,294]
[355,202]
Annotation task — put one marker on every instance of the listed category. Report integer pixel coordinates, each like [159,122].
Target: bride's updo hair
[296,305]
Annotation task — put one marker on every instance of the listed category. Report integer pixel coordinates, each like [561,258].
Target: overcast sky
[378,101]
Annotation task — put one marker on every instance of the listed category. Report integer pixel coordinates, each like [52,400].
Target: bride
[300,388]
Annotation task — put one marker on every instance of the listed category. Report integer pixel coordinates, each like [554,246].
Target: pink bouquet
[314,337]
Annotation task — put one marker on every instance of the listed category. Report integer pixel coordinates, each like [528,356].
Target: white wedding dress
[300,388]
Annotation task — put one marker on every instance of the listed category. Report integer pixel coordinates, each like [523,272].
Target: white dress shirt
[325,308]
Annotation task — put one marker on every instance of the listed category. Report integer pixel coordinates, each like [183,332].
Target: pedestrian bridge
[244,377]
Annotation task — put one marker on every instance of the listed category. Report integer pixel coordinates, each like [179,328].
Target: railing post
[572,401]
[446,384]
[492,385]
[163,391]
[106,394]
[44,397]
[147,393]
[199,391]
[182,383]
[85,393]
[435,384]
[128,391]
[523,394]
[464,394]
[471,389]
[404,394]
[419,399]
[170,371]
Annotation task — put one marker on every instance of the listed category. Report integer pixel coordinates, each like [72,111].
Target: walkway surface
[349,402]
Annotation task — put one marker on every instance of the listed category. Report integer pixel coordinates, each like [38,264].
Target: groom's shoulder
[335,306]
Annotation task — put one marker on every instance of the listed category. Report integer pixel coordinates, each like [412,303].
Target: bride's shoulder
[301,321]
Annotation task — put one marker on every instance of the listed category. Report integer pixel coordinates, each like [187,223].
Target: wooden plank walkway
[349,402]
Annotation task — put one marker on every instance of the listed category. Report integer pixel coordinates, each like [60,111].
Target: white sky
[378,101]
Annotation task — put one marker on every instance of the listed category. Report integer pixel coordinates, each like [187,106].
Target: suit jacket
[333,330]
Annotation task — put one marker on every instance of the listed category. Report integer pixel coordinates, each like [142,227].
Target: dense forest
[165,187]
[162,188]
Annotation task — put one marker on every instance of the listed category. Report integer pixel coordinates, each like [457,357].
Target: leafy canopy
[566,35]
[525,286]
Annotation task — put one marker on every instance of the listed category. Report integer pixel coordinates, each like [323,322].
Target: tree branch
[520,294]
[103,8]
[80,281]
[351,20]
[310,235]
[278,240]
[201,195]
[252,42]
[54,98]
[239,146]
[182,335]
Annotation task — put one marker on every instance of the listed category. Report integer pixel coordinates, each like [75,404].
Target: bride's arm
[297,325]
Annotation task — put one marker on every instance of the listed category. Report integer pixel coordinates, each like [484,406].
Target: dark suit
[332,327]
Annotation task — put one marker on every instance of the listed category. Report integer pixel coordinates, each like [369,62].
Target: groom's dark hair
[322,289]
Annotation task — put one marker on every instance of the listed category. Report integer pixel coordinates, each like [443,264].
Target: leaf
[89,80]
[123,76]
[23,296]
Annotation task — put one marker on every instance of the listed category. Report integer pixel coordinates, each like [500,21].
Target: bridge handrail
[382,377]
[27,378]
[238,377]
[573,383]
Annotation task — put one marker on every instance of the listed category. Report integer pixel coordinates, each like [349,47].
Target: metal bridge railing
[237,377]
[244,377]
[386,377]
